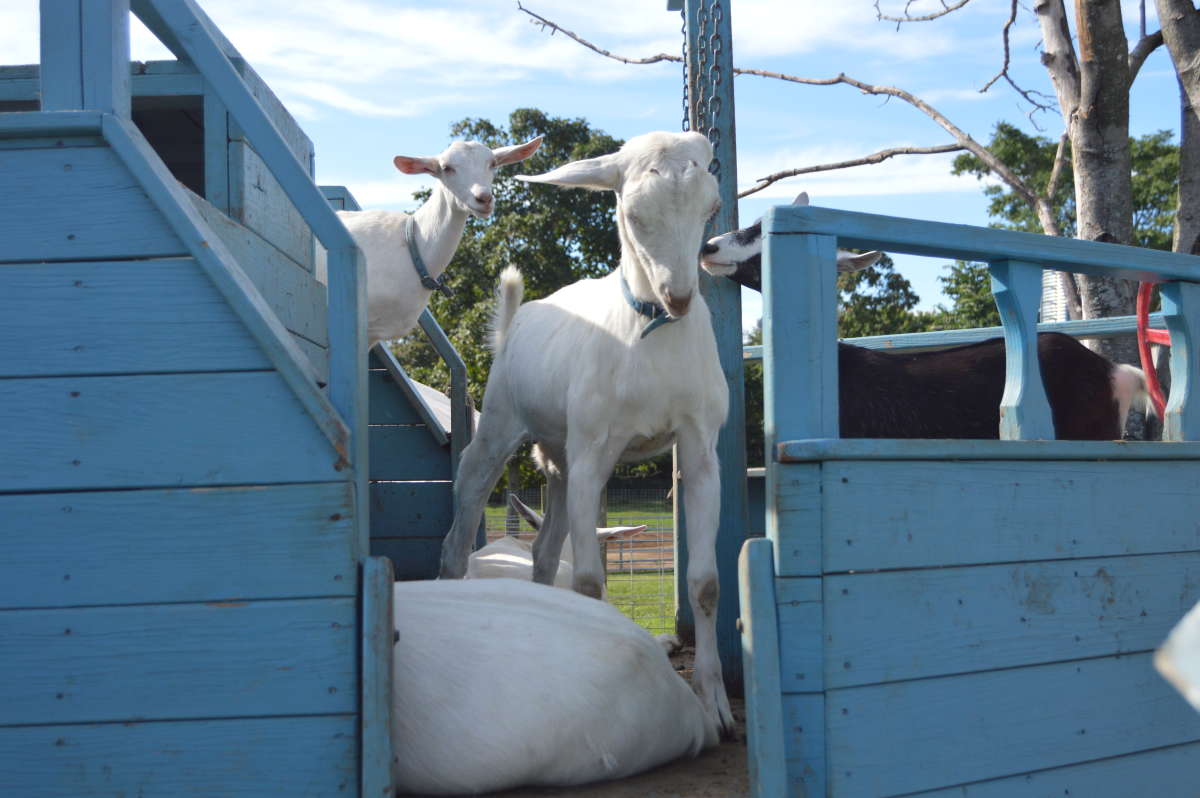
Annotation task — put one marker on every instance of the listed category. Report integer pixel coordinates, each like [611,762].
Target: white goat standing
[602,700]
[396,292]
[510,557]
[583,374]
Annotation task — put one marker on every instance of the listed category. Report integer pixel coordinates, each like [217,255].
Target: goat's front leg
[481,465]
[589,466]
[702,507]
[547,549]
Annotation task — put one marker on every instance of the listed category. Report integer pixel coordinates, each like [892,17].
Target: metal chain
[687,125]
[715,49]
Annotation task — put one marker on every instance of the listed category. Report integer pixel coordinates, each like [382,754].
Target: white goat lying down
[609,370]
[601,701]
[1179,658]
[511,557]
[396,292]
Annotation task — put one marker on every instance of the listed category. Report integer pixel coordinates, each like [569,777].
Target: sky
[371,79]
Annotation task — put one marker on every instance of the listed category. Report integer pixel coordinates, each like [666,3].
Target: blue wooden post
[85,55]
[1024,408]
[1181,309]
[709,73]
[760,654]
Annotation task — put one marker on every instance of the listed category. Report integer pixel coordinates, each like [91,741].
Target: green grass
[645,598]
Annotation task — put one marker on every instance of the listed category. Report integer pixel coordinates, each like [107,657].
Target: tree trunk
[1099,130]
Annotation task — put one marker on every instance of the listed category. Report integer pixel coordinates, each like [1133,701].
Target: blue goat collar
[651,310]
[418,264]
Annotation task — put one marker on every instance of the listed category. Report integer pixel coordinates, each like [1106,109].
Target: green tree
[1155,183]
[878,301]
[555,236]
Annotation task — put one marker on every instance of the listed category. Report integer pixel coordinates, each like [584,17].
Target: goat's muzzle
[678,306]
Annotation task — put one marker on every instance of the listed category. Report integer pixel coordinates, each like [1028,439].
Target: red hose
[1146,336]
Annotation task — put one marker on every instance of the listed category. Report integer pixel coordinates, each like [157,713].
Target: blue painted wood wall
[188,606]
[975,618]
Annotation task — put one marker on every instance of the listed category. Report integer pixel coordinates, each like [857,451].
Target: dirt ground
[717,773]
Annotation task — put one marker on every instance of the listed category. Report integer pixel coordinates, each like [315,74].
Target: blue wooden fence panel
[313,757]
[972,618]
[158,430]
[171,319]
[169,661]
[76,203]
[262,542]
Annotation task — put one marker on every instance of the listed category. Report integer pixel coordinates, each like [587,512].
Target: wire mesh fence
[640,564]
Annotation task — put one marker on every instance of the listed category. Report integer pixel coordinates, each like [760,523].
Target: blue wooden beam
[85,55]
[943,240]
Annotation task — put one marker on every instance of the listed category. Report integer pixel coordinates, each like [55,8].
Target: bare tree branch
[1027,94]
[556,28]
[873,158]
[946,9]
[1058,56]
[1137,56]
[1040,204]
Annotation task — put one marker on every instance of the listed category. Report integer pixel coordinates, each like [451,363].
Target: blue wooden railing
[800,317]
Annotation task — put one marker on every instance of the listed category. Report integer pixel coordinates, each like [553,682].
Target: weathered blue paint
[378,642]
[1181,310]
[85,47]
[969,617]
[760,650]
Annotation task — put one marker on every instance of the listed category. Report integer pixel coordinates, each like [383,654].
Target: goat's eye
[447,169]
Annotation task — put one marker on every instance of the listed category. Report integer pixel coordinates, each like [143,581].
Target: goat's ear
[517,152]
[849,262]
[801,198]
[607,532]
[602,174]
[531,516]
[417,166]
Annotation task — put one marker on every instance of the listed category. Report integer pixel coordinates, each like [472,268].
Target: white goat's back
[500,683]
[512,558]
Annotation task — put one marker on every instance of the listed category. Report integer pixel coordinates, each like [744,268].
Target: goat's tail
[508,298]
[1129,387]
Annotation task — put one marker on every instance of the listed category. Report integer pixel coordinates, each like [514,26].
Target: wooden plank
[799,329]
[804,742]
[60,550]
[411,509]
[158,430]
[126,316]
[984,512]
[793,519]
[69,124]
[389,405]
[292,293]
[378,643]
[801,621]
[1163,773]
[169,661]
[915,449]
[85,50]
[412,558]
[216,152]
[966,242]
[300,756]
[897,625]
[401,453]
[257,201]
[765,755]
[1024,408]
[904,737]
[1181,309]
[77,204]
